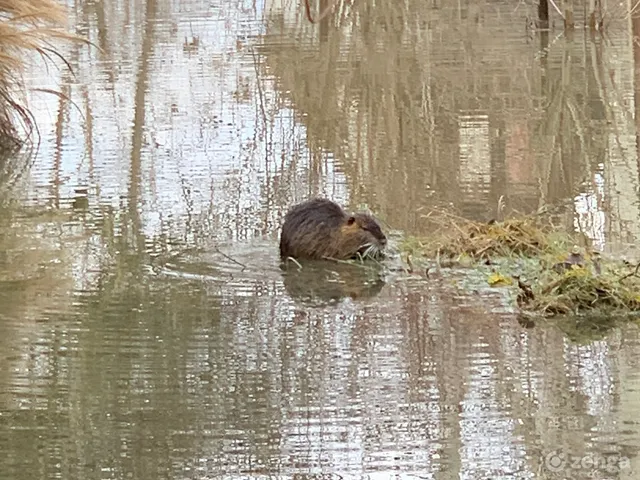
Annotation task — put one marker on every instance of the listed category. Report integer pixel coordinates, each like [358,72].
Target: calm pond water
[147,330]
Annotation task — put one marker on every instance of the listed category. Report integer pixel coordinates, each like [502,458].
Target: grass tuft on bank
[550,273]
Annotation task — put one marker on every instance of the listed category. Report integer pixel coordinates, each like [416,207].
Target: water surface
[148,329]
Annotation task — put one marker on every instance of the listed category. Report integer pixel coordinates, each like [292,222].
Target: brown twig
[231,259]
[326,11]
[632,274]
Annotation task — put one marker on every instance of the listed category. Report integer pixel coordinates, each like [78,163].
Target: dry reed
[26,26]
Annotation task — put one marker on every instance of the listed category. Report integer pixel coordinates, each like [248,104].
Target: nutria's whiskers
[369,251]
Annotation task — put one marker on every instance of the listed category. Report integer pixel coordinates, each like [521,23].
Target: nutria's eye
[351,220]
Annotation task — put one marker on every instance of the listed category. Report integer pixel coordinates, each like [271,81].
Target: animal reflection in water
[321,283]
[320,229]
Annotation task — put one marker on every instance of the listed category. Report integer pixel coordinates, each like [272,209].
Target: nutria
[320,228]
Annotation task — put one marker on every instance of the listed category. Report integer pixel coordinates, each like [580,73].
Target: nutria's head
[361,234]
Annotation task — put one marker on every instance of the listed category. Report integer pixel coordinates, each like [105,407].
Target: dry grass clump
[587,303]
[550,277]
[518,236]
[457,237]
[25,26]
[581,289]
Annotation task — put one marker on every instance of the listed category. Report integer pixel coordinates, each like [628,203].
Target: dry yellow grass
[25,26]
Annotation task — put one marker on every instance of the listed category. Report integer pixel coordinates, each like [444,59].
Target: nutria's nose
[383,241]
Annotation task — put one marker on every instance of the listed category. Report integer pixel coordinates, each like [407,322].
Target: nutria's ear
[350,220]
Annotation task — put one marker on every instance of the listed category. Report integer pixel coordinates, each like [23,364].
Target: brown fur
[320,228]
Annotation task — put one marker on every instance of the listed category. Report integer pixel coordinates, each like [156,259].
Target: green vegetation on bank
[551,275]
